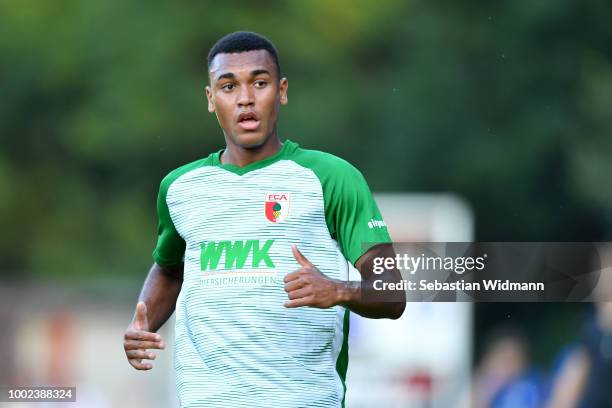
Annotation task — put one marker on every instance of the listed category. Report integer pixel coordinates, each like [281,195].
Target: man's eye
[227,87]
[260,84]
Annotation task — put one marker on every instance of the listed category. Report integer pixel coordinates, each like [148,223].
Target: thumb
[140,320]
[299,257]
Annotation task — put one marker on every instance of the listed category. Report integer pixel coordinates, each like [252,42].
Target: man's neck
[240,156]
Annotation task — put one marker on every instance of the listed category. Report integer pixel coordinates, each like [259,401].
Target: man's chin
[250,140]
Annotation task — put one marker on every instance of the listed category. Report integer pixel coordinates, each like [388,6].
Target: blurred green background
[508,104]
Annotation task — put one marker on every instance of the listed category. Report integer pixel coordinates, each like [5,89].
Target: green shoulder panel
[351,214]
[170,247]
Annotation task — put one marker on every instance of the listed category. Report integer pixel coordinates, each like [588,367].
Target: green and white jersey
[236,344]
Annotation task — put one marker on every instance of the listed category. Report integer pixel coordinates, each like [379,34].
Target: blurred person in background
[585,377]
[597,355]
[569,378]
[504,378]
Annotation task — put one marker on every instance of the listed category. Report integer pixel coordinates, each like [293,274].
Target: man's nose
[245,96]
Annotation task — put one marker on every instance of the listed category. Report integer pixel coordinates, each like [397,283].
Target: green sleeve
[351,214]
[170,247]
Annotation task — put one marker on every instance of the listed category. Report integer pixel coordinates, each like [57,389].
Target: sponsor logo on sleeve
[376,224]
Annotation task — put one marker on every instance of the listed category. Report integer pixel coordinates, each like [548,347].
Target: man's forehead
[241,61]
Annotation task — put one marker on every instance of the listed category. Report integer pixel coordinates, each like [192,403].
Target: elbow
[397,310]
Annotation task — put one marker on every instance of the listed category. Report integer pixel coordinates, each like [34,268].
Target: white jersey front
[236,344]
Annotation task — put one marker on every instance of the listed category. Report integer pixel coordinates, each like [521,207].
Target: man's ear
[284,85]
[209,97]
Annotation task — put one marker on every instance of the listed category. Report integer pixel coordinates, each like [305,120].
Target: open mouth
[248,121]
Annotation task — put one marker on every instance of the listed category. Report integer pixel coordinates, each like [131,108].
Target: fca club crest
[277,206]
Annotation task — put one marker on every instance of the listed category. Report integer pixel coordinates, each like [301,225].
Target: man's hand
[307,286]
[138,339]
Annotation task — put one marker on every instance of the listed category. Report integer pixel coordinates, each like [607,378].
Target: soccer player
[252,252]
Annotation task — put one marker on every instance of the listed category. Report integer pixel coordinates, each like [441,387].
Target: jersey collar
[287,148]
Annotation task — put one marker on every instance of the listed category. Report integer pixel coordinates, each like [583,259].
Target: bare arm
[159,293]
[156,303]
[570,383]
[362,299]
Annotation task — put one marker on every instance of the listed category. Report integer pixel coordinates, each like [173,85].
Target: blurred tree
[505,103]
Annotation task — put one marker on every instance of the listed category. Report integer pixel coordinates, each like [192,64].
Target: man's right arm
[156,304]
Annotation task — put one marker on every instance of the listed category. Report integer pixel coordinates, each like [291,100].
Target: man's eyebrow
[259,72]
[227,75]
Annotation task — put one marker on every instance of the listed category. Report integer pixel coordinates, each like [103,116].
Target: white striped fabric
[236,344]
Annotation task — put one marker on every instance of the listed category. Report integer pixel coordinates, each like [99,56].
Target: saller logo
[276,207]
[236,254]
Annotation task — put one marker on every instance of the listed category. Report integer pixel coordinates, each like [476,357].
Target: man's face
[245,93]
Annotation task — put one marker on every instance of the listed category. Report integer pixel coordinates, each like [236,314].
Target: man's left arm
[307,286]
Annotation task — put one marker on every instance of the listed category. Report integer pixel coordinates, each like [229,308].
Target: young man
[252,250]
